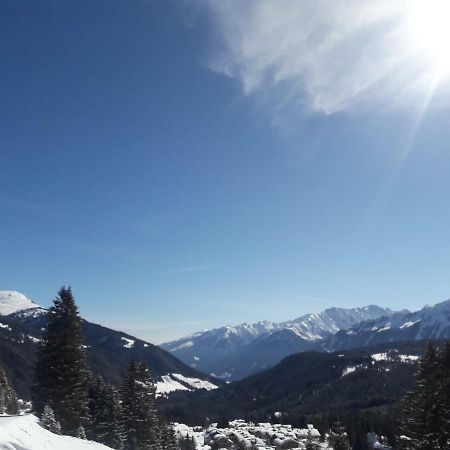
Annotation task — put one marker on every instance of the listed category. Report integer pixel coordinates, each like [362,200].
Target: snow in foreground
[24,433]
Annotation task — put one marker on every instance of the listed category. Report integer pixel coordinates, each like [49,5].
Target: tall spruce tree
[141,424]
[109,425]
[61,377]
[422,421]
[128,396]
[96,404]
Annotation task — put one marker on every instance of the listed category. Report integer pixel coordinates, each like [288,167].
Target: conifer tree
[9,403]
[109,425]
[337,437]
[96,404]
[61,377]
[444,397]
[48,420]
[128,396]
[141,423]
[422,421]
[147,423]
[168,437]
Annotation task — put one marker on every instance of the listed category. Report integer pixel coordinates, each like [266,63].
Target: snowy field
[24,433]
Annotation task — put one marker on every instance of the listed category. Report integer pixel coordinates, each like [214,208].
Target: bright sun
[430,24]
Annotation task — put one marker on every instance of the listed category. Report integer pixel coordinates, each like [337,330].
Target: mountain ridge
[229,352]
[108,352]
[429,323]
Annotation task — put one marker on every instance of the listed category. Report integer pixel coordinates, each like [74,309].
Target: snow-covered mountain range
[233,352]
[430,322]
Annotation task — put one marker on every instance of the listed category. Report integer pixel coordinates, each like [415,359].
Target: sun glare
[430,25]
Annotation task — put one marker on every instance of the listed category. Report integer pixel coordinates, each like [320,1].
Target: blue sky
[185,166]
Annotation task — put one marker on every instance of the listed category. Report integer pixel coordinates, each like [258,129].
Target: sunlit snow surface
[388,357]
[168,384]
[12,301]
[177,382]
[129,343]
[348,370]
[24,433]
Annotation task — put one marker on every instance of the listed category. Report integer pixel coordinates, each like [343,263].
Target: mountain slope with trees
[108,351]
[308,383]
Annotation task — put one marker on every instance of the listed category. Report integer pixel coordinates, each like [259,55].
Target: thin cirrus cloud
[324,56]
[187,269]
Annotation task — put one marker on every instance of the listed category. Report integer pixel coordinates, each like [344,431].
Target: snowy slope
[24,433]
[177,382]
[253,347]
[317,326]
[12,301]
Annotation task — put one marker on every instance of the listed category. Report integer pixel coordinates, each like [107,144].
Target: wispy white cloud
[322,56]
[187,269]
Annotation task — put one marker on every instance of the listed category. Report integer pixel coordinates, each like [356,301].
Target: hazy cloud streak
[323,56]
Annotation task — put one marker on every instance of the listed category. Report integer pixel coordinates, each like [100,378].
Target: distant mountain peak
[13,302]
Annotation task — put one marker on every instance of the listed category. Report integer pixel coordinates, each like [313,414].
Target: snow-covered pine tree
[48,420]
[61,377]
[8,398]
[109,424]
[337,437]
[422,419]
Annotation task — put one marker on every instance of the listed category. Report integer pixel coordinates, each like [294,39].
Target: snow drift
[24,433]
